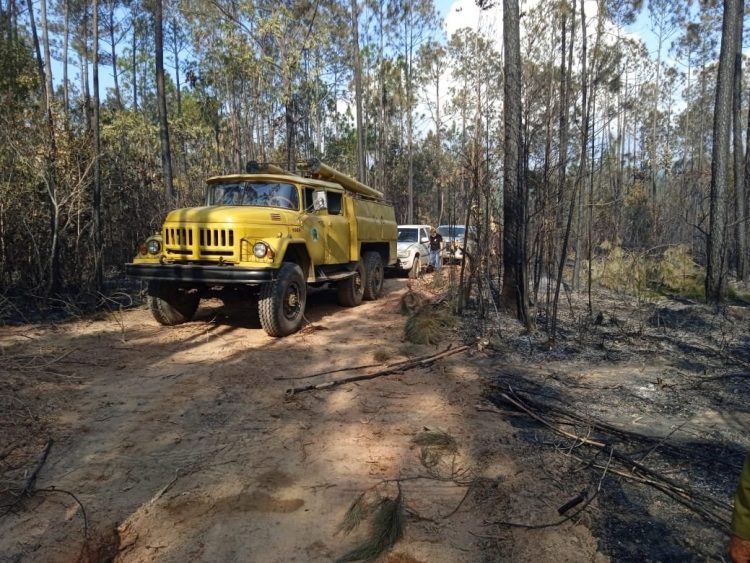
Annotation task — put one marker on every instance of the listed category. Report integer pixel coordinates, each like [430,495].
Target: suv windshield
[452,231]
[260,194]
[408,235]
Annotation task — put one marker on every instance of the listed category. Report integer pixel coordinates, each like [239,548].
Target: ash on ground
[672,375]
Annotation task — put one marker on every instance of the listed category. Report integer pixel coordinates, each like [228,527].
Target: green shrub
[679,274]
[644,275]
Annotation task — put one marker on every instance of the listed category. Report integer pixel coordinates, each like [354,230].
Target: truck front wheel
[282,301]
[171,305]
[373,276]
[352,289]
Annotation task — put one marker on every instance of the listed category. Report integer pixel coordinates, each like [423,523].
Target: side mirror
[424,240]
[320,201]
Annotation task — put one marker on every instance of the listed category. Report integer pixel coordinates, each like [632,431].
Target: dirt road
[180,445]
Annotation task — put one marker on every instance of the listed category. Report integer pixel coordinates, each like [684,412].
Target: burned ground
[180,444]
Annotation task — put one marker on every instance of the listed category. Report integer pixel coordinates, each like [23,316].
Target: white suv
[413,248]
[454,237]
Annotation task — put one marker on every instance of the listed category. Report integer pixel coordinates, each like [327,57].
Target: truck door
[313,229]
[337,230]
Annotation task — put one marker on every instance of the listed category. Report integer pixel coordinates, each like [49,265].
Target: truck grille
[199,242]
[211,238]
[178,236]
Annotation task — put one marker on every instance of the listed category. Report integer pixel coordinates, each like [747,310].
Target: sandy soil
[180,445]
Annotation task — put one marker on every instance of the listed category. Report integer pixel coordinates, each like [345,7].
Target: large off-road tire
[282,301]
[416,268]
[351,290]
[171,305]
[373,276]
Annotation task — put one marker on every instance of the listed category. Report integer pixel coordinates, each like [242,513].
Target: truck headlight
[260,249]
[153,246]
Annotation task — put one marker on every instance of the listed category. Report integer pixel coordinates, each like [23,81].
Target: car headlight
[260,249]
[404,254]
[153,246]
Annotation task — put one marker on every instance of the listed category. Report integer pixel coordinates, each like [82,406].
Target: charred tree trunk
[514,292]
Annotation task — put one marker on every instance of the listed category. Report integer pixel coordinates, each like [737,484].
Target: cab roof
[414,226]
[287,178]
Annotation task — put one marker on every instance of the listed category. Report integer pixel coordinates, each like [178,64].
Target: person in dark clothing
[436,245]
[739,546]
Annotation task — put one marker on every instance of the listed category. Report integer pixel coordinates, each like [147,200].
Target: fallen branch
[568,417]
[325,372]
[706,506]
[551,524]
[352,368]
[28,487]
[75,498]
[292,391]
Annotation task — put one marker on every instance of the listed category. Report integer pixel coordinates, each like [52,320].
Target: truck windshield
[260,194]
[407,235]
[452,231]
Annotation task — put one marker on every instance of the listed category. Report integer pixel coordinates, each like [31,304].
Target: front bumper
[452,253]
[402,264]
[192,273]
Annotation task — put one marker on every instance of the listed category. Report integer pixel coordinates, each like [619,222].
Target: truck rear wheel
[373,275]
[352,289]
[171,305]
[282,301]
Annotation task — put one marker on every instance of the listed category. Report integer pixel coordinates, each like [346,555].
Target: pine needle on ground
[428,325]
[358,511]
[387,529]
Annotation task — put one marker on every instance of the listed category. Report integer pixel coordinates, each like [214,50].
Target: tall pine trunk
[361,165]
[166,152]
[66,41]
[563,159]
[53,270]
[717,239]
[115,72]
[739,161]
[97,199]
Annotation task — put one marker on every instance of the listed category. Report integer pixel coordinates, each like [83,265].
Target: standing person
[739,546]
[436,245]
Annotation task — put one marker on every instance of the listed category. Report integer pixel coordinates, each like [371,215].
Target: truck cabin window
[258,194]
[334,203]
[407,235]
[453,231]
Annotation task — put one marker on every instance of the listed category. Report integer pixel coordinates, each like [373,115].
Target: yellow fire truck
[262,237]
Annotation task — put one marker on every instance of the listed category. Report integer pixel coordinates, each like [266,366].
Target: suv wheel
[416,268]
[282,301]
